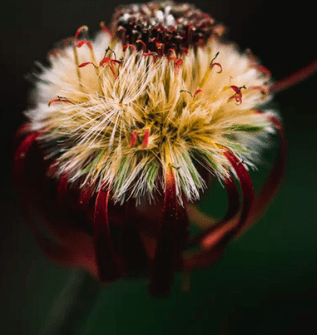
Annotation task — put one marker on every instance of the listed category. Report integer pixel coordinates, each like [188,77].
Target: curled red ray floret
[273,181]
[72,248]
[111,63]
[104,28]
[60,99]
[212,64]
[216,64]
[62,188]
[87,63]
[108,60]
[227,230]
[238,95]
[144,46]
[168,251]
[246,187]
[84,42]
[197,92]
[21,154]
[22,130]
[79,31]
[109,264]
[84,197]
[131,46]
[130,246]
[211,236]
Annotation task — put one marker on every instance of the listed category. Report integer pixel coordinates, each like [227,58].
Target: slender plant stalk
[72,306]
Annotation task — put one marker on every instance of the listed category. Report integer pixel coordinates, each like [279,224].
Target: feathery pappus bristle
[110,108]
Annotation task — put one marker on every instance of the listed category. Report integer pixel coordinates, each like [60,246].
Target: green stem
[72,306]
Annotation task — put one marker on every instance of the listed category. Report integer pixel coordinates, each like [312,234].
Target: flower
[126,132]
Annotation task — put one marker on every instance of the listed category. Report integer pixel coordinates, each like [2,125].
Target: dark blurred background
[266,284]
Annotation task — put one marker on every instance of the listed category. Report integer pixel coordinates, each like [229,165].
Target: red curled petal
[107,60]
[81,43]
[79,31]
[105,29]
[75,252]
[228,230]
[71,247]
[108,261]
[60,99]
[144,47]
[23,129]
[21,154]
[62,189]
[104,61]
[273,182]
[246,187]
[217,64]
[211,236]
[131,46]
[87,63]
[85,196]
[202,259]
[173,231]
[238,95]
[129,244]
[235,88]
[197,92]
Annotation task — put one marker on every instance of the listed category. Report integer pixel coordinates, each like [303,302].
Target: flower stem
[72,306]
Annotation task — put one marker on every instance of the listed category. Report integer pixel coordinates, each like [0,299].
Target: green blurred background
[265,284]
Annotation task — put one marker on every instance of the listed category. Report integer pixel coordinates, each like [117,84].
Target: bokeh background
[267,281]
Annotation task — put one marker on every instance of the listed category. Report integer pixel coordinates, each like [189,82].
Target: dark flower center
[161,26]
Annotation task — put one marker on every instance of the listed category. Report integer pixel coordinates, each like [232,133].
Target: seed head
[161,90]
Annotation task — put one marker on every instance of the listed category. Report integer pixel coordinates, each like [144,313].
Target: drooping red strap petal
[71,247]
[23,129]
[65,255]
[62,189]
[21,154]
[129,244]
[210,236]
[202,259]
[84,197]
[246,188]
[109,263]
[273,182]
[168,252]
[215,242]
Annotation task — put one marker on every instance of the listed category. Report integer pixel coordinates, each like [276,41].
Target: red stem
[294,78]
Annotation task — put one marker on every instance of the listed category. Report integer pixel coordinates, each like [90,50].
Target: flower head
[139,119]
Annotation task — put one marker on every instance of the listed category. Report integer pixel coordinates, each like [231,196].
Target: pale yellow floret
[93,127]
